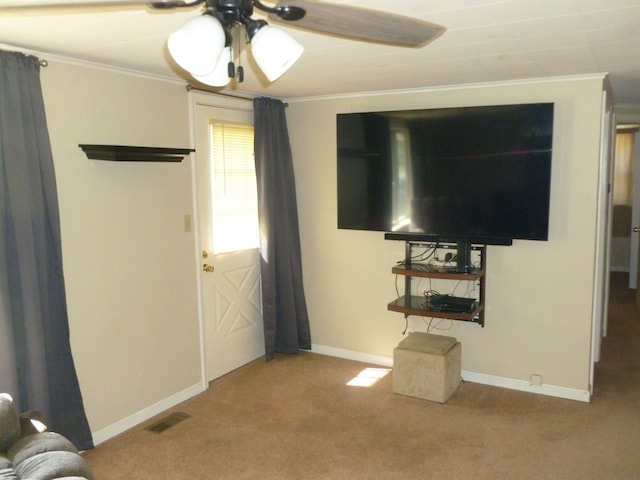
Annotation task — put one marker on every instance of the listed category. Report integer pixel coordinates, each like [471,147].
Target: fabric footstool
[427,366]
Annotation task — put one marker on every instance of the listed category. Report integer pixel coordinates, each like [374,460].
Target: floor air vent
[167,422]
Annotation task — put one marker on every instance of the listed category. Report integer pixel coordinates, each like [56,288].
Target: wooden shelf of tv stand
[429,271]
[415,305]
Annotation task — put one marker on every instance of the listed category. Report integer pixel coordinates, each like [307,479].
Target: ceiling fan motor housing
[230,12]
[231,7]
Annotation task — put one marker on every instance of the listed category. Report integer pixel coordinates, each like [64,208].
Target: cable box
[450,303]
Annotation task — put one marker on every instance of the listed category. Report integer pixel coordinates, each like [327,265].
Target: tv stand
[412,304]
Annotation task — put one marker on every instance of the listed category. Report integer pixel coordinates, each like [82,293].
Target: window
[234,199]
[623,176]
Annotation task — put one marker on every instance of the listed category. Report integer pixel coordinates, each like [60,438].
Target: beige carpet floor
[295,418]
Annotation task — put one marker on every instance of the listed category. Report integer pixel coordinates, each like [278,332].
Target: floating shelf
[417,305]
[123,153]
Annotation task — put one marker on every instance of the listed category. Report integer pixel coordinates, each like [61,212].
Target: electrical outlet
[536,380]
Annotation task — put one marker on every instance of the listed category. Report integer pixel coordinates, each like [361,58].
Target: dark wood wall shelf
[428,271]
[415,305]
[124,153]
[409,304]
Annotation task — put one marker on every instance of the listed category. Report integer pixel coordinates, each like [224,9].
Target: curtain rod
[29,53]
[190,87]
[241,97]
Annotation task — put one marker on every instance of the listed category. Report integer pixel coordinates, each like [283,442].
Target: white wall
[130,267]
[539,294]
[620,254]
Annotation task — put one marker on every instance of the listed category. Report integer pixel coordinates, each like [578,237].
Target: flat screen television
[470,174]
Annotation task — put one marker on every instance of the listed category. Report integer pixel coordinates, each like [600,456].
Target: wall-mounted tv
[475,174]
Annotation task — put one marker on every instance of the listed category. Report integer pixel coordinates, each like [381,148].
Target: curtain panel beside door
[286,321]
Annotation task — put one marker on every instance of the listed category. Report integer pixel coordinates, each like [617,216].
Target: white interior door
[233,316]
[231,295]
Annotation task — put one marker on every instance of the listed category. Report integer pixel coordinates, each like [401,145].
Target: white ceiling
[486,41]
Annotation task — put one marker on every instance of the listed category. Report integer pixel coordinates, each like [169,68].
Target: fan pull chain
[240,69]
[231,68]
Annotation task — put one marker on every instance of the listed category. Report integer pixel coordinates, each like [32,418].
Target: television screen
[474,173]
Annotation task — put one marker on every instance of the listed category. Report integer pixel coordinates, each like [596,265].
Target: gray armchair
[28,453]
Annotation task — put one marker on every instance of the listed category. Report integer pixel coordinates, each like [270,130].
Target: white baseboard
[484,379]
[525,386]
[146,413]
[351,355]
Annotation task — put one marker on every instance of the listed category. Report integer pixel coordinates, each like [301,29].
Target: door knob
[636,229]
[206,268]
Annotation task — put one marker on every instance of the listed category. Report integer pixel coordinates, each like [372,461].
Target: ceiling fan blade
[20,4]
[361,23]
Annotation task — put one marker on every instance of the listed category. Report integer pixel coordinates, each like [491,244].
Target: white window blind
[233,184]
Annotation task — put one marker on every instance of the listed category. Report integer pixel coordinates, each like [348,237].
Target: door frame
[217,101]
[603,234]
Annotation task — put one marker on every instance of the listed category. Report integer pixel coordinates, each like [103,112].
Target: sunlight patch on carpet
[368,377]
[167,422]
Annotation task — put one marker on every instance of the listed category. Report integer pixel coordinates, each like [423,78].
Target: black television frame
[464,241]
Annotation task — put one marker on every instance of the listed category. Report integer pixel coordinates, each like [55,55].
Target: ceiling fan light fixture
[274,50]
[220,75]
[198,45]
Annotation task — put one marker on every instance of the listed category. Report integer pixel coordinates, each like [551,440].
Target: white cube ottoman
[427,366]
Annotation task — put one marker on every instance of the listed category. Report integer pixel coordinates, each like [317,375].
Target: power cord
[430,325]
[420,257]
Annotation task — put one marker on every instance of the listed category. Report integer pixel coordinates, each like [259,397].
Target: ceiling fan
[203,45]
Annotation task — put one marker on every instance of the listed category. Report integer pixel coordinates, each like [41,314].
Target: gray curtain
[36,366]
[286,322]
